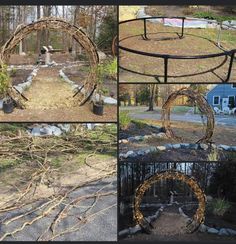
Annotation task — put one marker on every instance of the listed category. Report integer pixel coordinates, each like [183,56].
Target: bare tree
[152,93]
[39,33]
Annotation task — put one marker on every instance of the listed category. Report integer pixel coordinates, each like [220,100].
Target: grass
[227,36]
[132,30]
[12,128]
[139,123]
[182,109]
[212,16]
[8,163]
[124,120]
[142,109]
[219,206]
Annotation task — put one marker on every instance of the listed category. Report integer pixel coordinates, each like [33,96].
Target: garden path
[170,222]
[48,90]
[170,226]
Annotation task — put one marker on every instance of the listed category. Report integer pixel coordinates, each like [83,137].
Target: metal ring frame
[166,57]
[199,215]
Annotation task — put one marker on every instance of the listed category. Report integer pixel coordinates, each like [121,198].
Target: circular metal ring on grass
[223,53]
[202,105]
[199,215]
[22,31]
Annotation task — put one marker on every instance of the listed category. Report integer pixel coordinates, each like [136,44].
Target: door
[225,102]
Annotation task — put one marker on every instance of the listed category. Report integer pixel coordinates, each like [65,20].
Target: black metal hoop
[224,53]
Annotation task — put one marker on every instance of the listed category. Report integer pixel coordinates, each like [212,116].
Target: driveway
[226,120]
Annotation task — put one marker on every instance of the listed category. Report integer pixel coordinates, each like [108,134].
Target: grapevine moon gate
[199,215]
[76,32]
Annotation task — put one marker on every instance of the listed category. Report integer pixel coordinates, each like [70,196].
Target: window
[234,86]
[231,102]
[216,100]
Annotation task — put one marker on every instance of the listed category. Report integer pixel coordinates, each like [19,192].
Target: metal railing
[167,57]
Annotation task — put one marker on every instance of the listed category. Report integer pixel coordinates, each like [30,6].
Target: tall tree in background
[107,30]
[152,96]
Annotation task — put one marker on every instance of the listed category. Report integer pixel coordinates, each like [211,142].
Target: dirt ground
[75,114]
[190,133]
[51,99]
[16,59]
[78,74]
[19,76]
[198,237]
[191,44]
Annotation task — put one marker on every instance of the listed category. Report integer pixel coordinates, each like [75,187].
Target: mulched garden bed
[226,221]
[135,128]
[79,73]
[19,76]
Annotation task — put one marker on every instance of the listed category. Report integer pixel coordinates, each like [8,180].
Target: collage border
[118,3]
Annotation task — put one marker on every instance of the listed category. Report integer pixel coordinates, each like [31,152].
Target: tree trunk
[45,33]
[152,89]
[39,33]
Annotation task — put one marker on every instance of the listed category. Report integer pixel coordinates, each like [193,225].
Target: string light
[199,215]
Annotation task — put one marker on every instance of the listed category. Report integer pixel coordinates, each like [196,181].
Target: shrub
[219,206]
[213,155]
[124,119]
[4,81]
[111,68]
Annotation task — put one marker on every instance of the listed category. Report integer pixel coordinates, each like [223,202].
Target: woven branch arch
[199,215]
[53,23]
[202,105]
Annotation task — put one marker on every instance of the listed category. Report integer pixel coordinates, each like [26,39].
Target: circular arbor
[200,101]
[78,35]
[199,215]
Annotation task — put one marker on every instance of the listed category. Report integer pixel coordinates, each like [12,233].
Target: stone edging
[201,146]
[141,152]
[138,228]
[26,84]
[206,229]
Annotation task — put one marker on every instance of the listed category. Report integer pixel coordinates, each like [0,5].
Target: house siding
[222,90]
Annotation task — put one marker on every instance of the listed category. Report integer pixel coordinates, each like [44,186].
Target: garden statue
[47,57]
